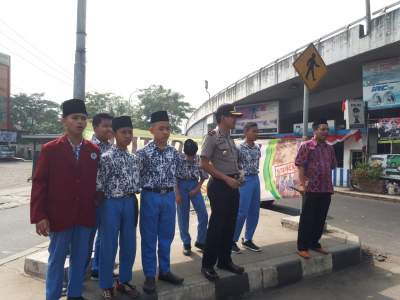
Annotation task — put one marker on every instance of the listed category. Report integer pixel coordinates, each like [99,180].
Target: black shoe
[187,250]
[250,246]
[200,246]
[236,249]
[149,285]
[171,278]
[231,267]
[128,289]
[210,274]
[94,275]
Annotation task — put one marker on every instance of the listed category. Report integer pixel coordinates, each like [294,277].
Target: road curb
[263,275]
[24,253]
[376,197]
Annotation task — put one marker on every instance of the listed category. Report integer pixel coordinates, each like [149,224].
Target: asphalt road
[369,280]
[14,173]
[377,223]
[16,232]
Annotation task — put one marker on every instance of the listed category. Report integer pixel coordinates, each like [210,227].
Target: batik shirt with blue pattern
[190,169]
[249,158]
[102,145]
[158,166]
[118,174]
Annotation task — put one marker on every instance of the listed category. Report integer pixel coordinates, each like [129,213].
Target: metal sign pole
[305,111]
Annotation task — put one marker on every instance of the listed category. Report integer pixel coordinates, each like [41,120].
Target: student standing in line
[63,201]
[117,183]
[103,133]
[249,207]
[158,165]
[190,180]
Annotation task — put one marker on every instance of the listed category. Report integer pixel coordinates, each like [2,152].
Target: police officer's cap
[190,147]
[227,110]
[121,122]
[159,116]
[73,106]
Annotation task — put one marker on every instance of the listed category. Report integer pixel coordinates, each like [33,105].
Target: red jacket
[63,188]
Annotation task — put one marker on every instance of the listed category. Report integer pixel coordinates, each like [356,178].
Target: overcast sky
[132,44]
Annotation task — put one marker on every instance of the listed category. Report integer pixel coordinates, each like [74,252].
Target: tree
[107,103]
[32,113]
[155,98]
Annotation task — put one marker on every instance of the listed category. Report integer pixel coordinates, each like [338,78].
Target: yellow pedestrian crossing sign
[310,67]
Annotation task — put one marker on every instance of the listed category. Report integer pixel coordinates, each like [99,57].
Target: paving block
[345,255]
[317,265]
[200,290]
[289,272]
[255,276]
[232,286]
[36,265]
[269,277]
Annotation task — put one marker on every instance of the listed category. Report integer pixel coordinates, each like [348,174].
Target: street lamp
[206,86]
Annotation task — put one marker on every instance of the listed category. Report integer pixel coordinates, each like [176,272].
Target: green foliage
[155,98]
[33,114]
[371,171]
[107,103]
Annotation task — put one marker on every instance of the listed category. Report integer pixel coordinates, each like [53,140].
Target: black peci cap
[73,106]
[159,116]
[190,147]
[227,110]
[121,122]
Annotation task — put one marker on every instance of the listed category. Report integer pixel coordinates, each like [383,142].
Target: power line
[36,66]
[36,56]
[37,49]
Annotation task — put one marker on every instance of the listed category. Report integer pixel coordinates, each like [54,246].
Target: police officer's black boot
[231,267]
[170,278]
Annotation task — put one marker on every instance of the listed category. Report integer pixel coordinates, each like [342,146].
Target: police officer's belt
[159,190]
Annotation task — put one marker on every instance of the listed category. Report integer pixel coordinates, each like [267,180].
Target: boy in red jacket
[63,200]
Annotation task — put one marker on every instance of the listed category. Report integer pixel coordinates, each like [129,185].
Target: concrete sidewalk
[379,197]
[275,266]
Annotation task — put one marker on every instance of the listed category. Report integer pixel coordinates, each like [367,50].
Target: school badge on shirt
[93,155]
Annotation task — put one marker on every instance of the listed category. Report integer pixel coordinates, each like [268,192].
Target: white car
[6,152]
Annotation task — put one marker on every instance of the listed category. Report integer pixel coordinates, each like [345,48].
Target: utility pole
[80,53]
[305,111]
[368,16]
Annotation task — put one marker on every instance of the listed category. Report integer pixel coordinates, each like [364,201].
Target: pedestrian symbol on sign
[310,67]
[311,64]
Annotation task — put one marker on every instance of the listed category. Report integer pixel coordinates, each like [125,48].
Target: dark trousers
[312,220]
[224,203]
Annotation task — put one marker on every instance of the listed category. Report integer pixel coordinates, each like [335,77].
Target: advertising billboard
[388,129]
[381,83]
[5,109]
[266,115]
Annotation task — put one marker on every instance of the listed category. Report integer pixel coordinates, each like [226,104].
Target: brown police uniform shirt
[221,150]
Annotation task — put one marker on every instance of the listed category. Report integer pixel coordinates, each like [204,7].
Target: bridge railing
[383,10]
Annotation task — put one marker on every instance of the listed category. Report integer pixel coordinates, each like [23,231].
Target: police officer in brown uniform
[219,158]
